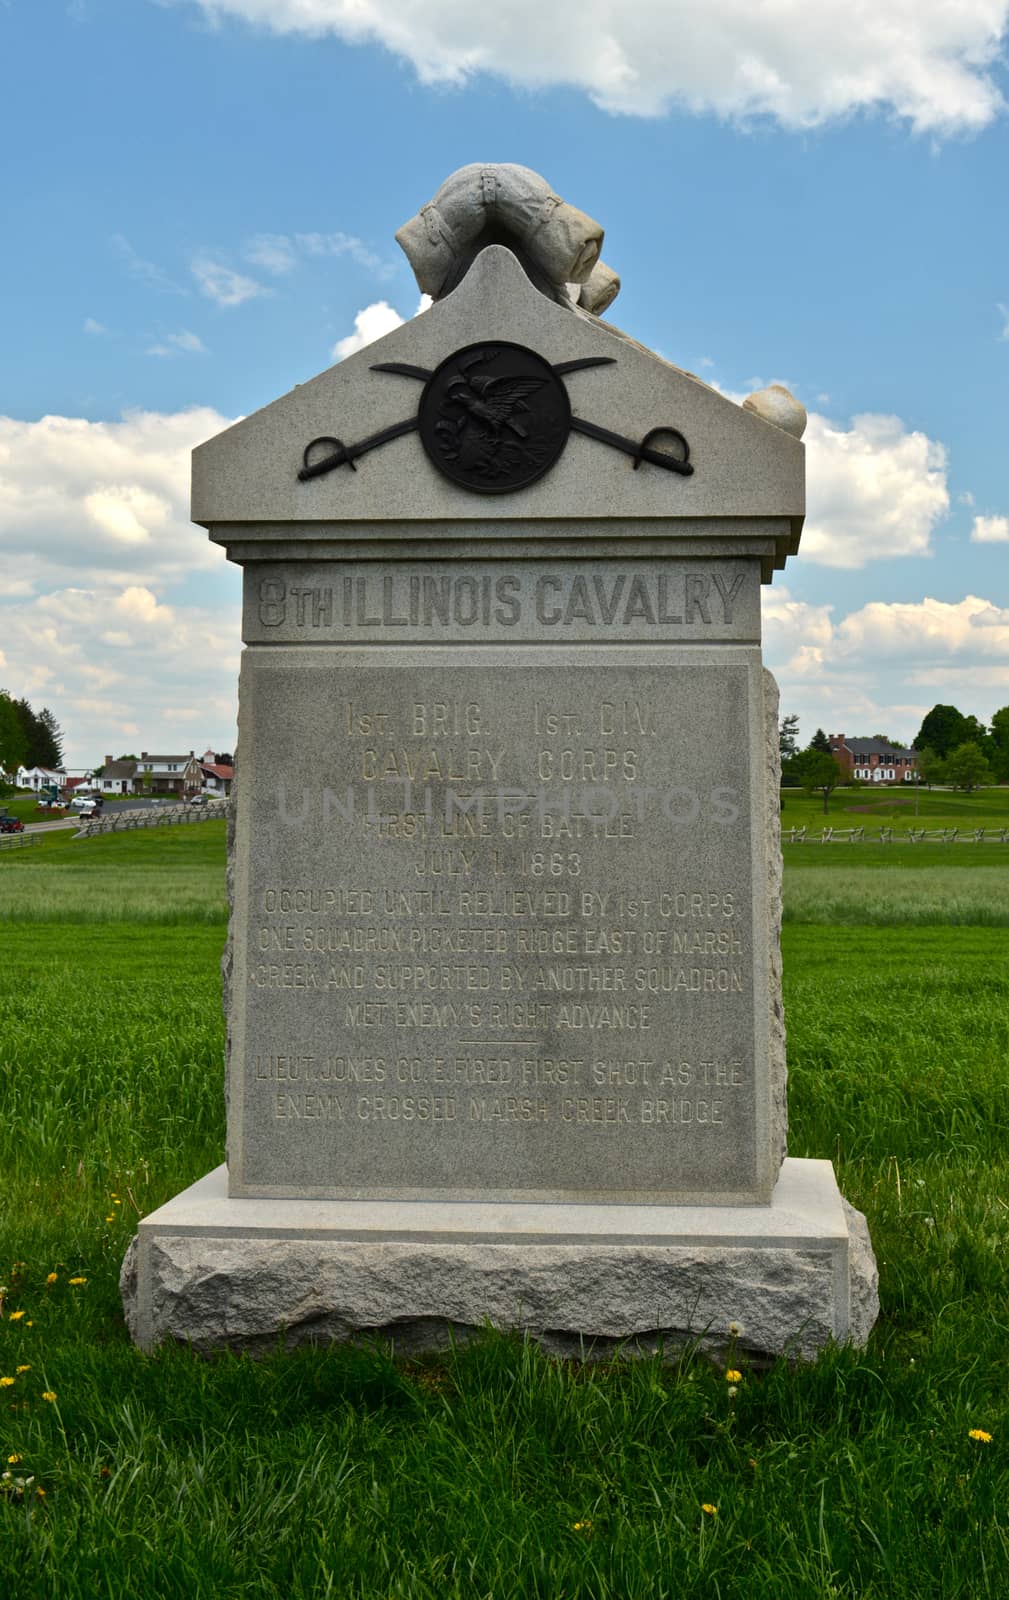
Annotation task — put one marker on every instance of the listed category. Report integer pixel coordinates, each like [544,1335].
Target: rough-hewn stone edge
[228,953]
[863,1277]
[777,1056]
[255,1294]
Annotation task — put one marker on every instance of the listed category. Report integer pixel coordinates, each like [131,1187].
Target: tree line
[951,748]
[28,738]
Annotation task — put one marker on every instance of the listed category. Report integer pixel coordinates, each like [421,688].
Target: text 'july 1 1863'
[501,940]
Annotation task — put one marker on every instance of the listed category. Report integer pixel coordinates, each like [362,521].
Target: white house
[37,778]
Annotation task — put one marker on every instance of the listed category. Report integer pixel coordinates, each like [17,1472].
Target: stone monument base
[583,1280]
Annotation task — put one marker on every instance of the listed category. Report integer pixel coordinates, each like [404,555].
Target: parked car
[9,824]
[86,804]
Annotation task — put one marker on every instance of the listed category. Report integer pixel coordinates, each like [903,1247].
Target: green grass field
[497,1473]
[892,807]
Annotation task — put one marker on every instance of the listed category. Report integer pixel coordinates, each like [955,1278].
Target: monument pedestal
[215,1272]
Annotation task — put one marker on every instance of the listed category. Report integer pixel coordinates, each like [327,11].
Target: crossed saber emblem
[341,454]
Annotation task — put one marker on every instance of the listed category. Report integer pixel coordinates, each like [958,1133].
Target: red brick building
[873,760]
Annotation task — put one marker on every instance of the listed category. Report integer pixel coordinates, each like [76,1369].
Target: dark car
[9,824]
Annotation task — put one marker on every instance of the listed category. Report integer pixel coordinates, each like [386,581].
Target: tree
[1000,741]
[931,768]
[821,774]
[944,728]
[52,736]
[820,742]
[884,738]
[43,736]
[13,744]
[788,736]
[966,767]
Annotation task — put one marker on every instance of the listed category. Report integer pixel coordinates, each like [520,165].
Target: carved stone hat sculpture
[506,204]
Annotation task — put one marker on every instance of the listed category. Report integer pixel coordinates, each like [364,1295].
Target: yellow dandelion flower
[5,1383]
[16,1316]
[51,1277]
[40,1494]
[116,1201]
[24,1367]
[111,1217]
[732,1376]
[980,1435]
[582,1527]
[13,1460]
[48,1394]
[29,1324]
[77,1281]
[709,1510]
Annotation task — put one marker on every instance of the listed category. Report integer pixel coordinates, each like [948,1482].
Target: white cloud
[127,514]
[91,326]
[222,284]
[370,324]
[344,244]
[886,664]
[190,343]
[80,498]
[148,271]
[271,251]
[280,253]
[990,530]
[373,323]
[875,491]
[94,522]
[117,665]
[921,633]
[926,62]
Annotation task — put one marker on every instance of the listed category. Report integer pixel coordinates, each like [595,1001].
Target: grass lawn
[870,807]
[497,1473]
[26,807]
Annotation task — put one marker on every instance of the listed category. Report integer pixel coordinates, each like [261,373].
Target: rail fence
[118,821]
[898,836]
[17,841]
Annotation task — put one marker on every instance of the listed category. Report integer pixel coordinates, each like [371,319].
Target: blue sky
[201,199]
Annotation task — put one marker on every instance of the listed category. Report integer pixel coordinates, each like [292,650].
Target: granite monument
[503,985]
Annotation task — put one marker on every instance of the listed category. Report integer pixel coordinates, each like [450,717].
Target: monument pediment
[743,466]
